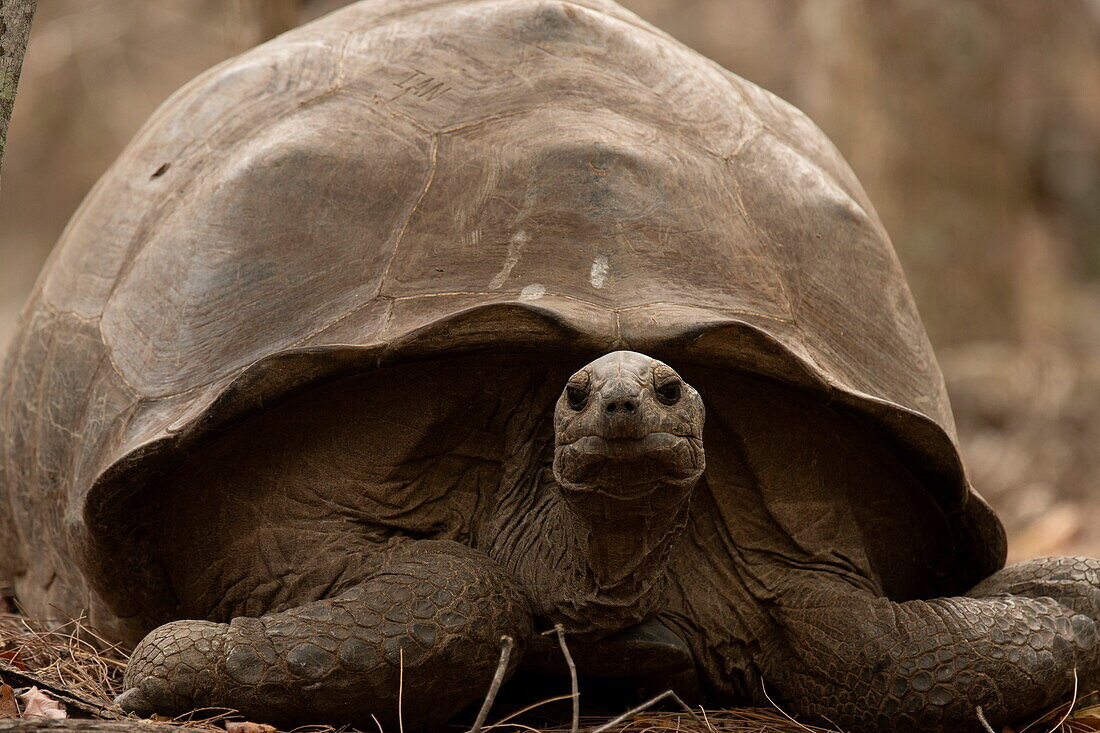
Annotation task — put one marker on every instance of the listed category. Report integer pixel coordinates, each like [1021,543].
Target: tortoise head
[628,438]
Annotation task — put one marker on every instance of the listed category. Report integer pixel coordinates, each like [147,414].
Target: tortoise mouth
[627,468]
[624,448]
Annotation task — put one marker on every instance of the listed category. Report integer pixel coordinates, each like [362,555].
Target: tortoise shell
[405,179]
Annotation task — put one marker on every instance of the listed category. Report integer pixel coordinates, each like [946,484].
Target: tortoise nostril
[624,407]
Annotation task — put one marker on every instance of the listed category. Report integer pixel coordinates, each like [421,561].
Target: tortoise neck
[613,573]
[594,564]
[593,574]
[620,544]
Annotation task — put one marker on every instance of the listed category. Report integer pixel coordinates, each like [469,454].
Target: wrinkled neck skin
[589,529]
[617,560]
[595,573]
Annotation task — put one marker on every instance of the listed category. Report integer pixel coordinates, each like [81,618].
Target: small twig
[706,720]
[218,714]
[506,644]
[78,700]
[1072,702]
[645,705]
[521,726]
[527,709]
[574,685]
[782,712]
[401,689]
[983,721]
[1049,715]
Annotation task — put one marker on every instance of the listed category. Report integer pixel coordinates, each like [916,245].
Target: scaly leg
[869,664]
[430,621]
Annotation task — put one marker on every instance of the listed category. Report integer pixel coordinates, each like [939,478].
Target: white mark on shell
[599,271]
[515,248]
[534,291]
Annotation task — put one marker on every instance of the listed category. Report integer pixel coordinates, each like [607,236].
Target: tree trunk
[15,28]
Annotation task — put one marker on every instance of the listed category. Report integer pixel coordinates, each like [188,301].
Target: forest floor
[66,665]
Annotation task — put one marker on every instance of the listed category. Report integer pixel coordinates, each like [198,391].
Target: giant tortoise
[375,346]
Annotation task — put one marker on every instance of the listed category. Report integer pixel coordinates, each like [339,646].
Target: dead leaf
[1086,719]
[12,658]
[37,704]
[9,707]
[1085,713]
[237,726]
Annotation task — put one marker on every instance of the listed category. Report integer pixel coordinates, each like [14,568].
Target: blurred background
[973,124]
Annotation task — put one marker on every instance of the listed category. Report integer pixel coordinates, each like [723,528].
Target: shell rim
[919,442]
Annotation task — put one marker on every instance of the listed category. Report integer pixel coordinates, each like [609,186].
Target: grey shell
[407,178]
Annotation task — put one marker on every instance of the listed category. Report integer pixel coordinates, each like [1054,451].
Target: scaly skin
[437,609]
[628,447]
[1010,646]
[824,639]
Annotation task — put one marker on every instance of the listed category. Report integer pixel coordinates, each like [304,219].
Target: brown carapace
[394,335]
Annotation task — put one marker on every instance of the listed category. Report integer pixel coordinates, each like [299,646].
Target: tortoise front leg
[430,621]
[869,664]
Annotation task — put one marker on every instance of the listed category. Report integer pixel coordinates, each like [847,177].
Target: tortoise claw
[133,701]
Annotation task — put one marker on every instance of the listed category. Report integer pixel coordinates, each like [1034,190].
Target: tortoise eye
[669,392]
[576,397]
[667,385]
